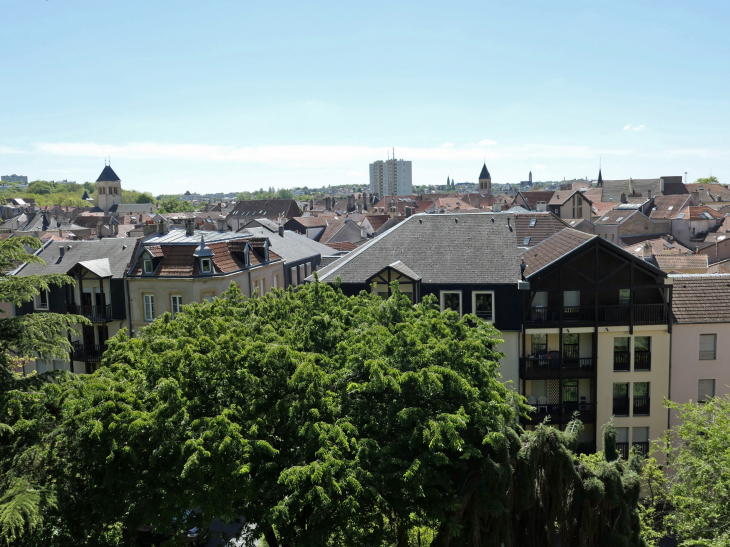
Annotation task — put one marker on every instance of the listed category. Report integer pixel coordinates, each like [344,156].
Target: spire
[600,178]
[203,249]
[485,173]
[108,175]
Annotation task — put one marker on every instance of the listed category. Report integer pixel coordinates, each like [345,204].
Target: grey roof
[293,246]
[99,266]
[405,270]
[485,173]
[118,252]
[122,208]
[108,175]
[475,248]
[203,249]
[178,236]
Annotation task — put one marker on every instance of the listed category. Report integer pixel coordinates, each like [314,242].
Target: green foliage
[693,500]
[145,197]
[707,180]
[174,205]
[284,194]
[322,419]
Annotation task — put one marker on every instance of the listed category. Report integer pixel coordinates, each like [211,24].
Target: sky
[224,96]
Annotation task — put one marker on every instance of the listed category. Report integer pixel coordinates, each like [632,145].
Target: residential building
[596,340]
[98,269]
[618,191]
[467,261]
[700,338]
[571,204]
[533,228]
[14,178]
[391,177]
[273,209]
[169,270]
[533,201]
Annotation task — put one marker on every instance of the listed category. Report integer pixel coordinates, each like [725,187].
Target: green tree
[284,194]
[40,187]
[707,180]
[174,205]
[145,197]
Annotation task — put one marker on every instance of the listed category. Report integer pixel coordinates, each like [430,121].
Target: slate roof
[462,248]
[698,212]
[118,252]
[562,196]
[612,189]
[701,298]
[108,175]
[266,208]
[553,248]
[546,225]
[667,206]
[615,216]
[710,192]
[292,246]
[659,246]
[132,208]
[485,173]
[533,197]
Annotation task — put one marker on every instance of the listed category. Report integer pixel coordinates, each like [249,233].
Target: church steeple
[485,180]
[600,179]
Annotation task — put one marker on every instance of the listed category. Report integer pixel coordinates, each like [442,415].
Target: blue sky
[231,96]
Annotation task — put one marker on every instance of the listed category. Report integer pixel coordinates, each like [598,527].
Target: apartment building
[169,270]
[391,178]
[700,338]
[596,338]
[98,267]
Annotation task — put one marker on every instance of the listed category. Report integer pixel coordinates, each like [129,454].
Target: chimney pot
[60,251]
[281,231]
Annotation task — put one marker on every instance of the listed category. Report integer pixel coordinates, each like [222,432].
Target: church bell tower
[108,189]
[485,181]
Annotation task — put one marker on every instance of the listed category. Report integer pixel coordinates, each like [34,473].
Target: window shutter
[705,389]
[708,345]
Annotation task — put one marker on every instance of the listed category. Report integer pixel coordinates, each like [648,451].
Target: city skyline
[225,98]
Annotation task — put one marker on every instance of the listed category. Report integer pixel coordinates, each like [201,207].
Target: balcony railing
[90,353]
[641,447]
[95,314]
[621,361]
[641,406]
[621,406]
[562,414]
[642,360]
[623,449]
[542,367]
[644,314]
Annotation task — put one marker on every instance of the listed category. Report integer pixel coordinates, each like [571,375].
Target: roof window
[526,241]
[670,207]
[680,215]
[533,222]
[604,219]
[619,219]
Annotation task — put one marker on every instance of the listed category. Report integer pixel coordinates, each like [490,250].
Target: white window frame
[203,262]
[705,355]
[175,304]
[147,266]
[148,305]
[474,304]
[38,301]
[442,299]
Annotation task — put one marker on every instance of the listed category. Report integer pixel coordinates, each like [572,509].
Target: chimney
[161,227]
[359,207]
[60,234]
[541,206]
[189,226]
[311,204]
[222,225]
[409,212]
[661,185]
[497,207]
[327,203]
[281,231]
[61,250]
[646,251]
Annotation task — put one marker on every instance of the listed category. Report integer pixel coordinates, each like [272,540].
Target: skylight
[526,241]
[638,249]
[619,219]
[604,219]
[533,222]
[670,207]
[721,238]
[680,215]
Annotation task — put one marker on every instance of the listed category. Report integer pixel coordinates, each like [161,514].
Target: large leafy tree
[321,419]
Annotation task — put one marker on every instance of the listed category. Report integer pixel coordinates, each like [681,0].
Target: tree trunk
[270,536]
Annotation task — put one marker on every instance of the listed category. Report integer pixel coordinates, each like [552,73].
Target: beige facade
[195,289]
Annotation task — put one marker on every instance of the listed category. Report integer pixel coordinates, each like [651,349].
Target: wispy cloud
[447,145]
[486,142]
[10,150]
[297,155]
[632,127]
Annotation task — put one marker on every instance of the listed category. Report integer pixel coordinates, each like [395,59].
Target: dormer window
[147,266]
[206,266]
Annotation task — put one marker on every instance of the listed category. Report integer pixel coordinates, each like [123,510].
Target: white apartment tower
[391,178]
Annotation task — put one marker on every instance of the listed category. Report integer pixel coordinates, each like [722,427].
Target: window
[275,282]
[641,398]
[708,347]
[571,299]
[206,265]
[483,305]
[147,265]
[621,399]
[624,297]
[705,390]
[526,241]
[41,300]
[149,307]
[451,300]
[642,353]
[41,366]
[175,305]
[533,222]
[622,442]
[540,300]
[294,278]
[640,440]
[680,216]
[59,365]
[208,296]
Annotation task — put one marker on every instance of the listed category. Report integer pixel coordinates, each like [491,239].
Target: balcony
[621,361]
[641,406]
[585,316]
[89,353]
[561,414]
[642,360]
[621,406]
[544,368]
[95,314]
[641,448]
[623,449]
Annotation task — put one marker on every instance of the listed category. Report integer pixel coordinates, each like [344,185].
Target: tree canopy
[707,180]
[174,205]
[145,197]
[321,419]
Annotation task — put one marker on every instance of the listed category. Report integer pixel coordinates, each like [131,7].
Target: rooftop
[701,298]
